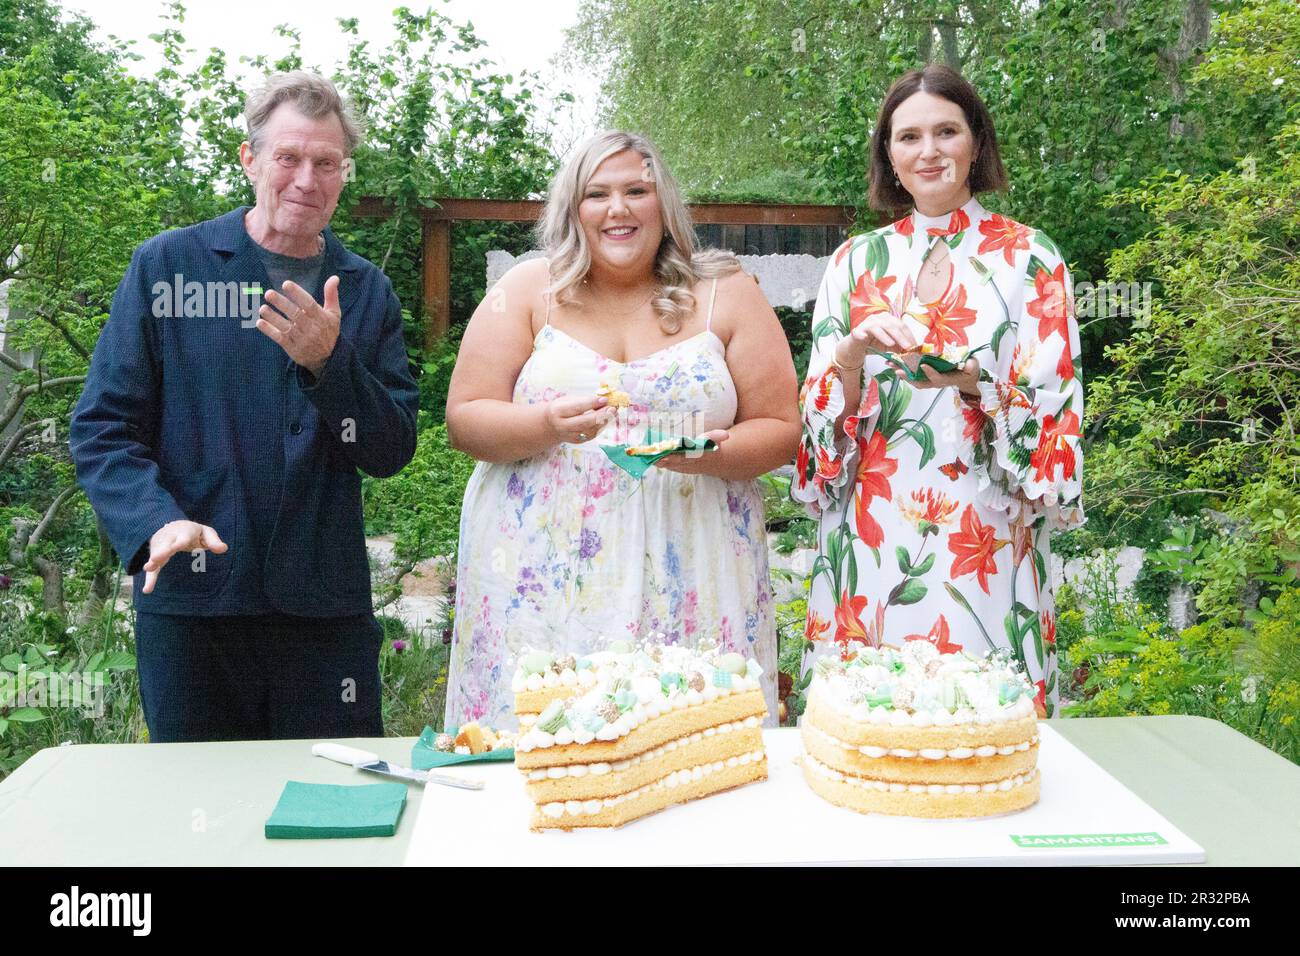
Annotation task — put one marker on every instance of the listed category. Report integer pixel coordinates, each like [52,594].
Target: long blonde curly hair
[680,262]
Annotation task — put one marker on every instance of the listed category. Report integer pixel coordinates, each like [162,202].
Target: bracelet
[835,360]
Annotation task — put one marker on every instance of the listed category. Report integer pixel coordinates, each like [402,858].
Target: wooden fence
[744,228]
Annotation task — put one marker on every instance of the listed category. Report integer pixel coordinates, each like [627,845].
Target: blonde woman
[559,548]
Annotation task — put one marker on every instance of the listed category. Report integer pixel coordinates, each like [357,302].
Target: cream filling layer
[929,753]
[538,739]
[677,778]
[934,789]
[568,677]
[596,769]
[888,716]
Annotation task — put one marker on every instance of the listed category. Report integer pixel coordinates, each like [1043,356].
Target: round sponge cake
[915,732]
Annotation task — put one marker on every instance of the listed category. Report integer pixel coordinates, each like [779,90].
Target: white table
[781,821]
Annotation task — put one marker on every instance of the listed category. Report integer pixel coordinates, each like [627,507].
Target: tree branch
[65,332]
[50,513]
[8,360]
[16,439]
[27,391]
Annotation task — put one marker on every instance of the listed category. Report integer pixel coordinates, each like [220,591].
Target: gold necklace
[934,263]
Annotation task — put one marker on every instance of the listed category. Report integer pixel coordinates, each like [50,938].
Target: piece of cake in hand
[914,732]
[663,725]
[655,448]
[613,397]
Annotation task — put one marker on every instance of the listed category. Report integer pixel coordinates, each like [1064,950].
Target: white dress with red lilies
[935,511]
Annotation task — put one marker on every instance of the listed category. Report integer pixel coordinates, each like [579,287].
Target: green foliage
[797,326]
[421,504]
[1271,655]
[439,124]
[413,672]
[1124,660]
[438,364]
[62,683]
[769,186]
[1198,411]
[788,524]
[668,64]
[792,648]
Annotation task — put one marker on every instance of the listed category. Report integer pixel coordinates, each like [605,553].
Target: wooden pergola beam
[437,216]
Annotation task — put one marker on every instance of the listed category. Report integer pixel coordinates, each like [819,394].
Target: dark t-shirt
[264,507]
[305,272]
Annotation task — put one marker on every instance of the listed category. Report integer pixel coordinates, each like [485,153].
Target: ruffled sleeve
[1027,452]
[827,462]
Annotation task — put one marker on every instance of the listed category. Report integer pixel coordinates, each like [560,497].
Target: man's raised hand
[307,330]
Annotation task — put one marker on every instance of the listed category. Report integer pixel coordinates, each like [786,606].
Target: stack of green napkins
[425,756]
[308,811]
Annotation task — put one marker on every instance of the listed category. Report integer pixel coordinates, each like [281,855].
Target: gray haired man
[223,451]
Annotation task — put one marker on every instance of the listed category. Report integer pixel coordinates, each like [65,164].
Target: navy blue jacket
[190,412]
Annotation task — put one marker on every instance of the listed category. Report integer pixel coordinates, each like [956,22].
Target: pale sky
[520,34]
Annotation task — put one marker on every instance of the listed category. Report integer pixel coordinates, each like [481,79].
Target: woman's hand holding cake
[575,419]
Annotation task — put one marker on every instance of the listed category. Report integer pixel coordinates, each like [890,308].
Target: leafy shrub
[437,364]
[798,332]
[421,504]
[792,647]
[63,684]
[413,672]
[788,524]
[1248,680]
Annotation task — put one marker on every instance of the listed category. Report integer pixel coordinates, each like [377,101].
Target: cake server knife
[364,760]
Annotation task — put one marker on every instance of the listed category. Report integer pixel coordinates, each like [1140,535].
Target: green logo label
[1037,841]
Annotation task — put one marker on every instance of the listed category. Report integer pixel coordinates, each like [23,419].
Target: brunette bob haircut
[986,172]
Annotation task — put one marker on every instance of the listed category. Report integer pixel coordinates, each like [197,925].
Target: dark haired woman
[936,497]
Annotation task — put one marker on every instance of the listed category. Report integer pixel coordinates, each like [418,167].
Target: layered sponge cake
[660,726]
[543,677]
[913,732]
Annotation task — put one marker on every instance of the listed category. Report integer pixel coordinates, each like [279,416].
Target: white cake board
[781,821]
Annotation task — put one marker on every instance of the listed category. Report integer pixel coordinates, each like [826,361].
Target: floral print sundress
[935,512]
[567,552]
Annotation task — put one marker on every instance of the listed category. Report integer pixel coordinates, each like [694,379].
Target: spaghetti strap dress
[566,552]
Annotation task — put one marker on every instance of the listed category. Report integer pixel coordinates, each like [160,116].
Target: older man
[219,439]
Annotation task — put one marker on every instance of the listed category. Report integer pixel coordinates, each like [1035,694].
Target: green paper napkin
[936,362]
[638,465]
[309,811]
[424,756]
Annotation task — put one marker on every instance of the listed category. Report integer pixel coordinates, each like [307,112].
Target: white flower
[1249,689]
